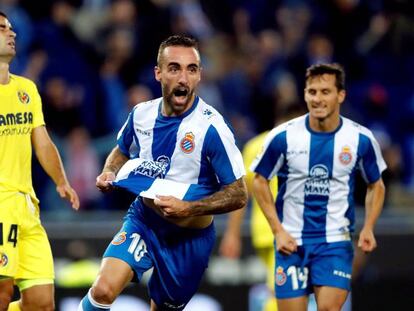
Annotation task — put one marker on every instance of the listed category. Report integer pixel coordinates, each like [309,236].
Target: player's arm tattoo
[231,197]
[115,160]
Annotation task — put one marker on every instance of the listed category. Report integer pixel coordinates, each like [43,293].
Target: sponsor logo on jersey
[23,97]
[3,259]
[280,276]
[187,143]
[16,118]
[153,169]
[11,123]
[318,181]
[119,238]
[345,157]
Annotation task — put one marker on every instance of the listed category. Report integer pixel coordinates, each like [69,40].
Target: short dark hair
[177,40]
[3,14]
[331,69]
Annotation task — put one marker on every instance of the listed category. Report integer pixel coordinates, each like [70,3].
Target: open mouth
[180,92]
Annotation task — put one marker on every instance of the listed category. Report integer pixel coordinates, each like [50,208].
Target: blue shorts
[178,255]
[322,264]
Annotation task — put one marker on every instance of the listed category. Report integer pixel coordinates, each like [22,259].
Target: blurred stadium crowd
[93,60]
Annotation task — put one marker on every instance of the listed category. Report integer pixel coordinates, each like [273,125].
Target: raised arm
[115,160]
[374,201]
[49,158]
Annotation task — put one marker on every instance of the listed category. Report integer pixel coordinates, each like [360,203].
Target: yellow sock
[14,306]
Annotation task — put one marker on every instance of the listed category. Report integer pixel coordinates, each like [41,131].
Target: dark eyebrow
[178,65]
[3,25]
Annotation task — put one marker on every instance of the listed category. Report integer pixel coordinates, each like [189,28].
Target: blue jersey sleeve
[269,162]
[223,154]
[371,162]
[127,140]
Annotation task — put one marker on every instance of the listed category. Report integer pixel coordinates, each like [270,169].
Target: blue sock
[88,304]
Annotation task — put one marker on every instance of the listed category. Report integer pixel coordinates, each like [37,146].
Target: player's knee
[5,299]
[4,302]
[326,306]
[103,292]
[38,305]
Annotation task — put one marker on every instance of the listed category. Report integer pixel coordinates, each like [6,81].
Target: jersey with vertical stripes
[197,147]
[316,173]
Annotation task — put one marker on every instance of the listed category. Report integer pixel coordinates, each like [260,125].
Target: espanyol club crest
[187,143]
[23,97]
[119,238]
[345,157]
[280,276]
[3,259]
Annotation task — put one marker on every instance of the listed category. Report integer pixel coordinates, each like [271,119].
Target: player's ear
[201,72]
[341,96]
[157,73]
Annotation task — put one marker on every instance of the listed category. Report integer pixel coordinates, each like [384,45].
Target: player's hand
[367,241]
[170,206]
[285,243]
[66,192]
[230,246]
[104,181]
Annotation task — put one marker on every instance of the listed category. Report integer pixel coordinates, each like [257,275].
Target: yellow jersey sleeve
[20,113]
[38,119]
[262,236]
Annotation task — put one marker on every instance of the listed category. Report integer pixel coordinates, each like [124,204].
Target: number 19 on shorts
[298,277]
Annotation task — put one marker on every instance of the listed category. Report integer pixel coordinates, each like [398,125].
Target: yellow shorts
[25,252]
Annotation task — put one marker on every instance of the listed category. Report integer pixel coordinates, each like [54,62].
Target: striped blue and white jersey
[316,173]
[196,148]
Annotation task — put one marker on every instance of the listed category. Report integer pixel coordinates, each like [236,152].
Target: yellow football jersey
[261,234]
[20,113]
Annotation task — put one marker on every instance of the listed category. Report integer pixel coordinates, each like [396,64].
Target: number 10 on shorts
[137,247]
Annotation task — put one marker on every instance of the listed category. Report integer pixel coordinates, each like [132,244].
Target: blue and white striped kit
[189,156]
[316,173]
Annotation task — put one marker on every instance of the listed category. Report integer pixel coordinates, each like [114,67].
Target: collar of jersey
[181,116]
[323,133]
[9,87]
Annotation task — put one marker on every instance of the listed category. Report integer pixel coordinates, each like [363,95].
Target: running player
[176,138]
[315,158]
[25,254]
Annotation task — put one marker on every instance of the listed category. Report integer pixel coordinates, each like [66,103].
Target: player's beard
[180,92]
